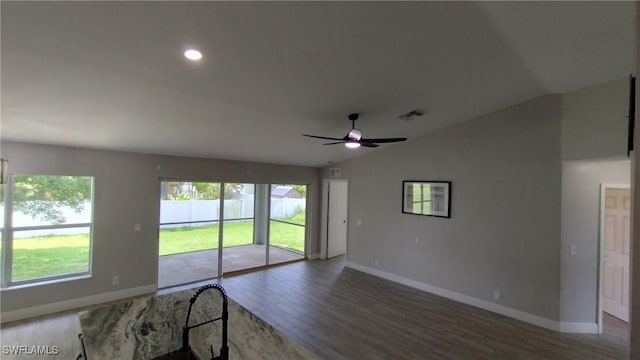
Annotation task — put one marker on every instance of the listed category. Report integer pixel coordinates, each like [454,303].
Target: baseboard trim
[574,327]
[75,303]
[482,304]
[314,256]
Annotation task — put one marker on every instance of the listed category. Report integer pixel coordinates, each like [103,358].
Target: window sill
[20,286]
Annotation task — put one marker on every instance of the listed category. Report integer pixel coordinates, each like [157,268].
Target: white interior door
[338,200]
[617,205]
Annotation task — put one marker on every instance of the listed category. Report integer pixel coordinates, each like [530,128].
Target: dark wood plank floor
[58,330]
[340,313]
[613,326]
[344,314]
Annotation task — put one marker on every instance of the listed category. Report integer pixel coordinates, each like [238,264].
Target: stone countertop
[149,326]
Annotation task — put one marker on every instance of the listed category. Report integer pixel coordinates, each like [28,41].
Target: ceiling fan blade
[368,144]
[354,137]
[322,137]
[383,140]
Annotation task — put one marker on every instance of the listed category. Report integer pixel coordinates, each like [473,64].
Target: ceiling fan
[354,138]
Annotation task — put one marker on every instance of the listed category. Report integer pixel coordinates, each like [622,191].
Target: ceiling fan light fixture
[355,134]
[352,144]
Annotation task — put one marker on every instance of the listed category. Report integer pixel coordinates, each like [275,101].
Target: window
[48,226]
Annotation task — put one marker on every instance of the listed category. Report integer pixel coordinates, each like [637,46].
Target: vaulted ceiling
[111,75]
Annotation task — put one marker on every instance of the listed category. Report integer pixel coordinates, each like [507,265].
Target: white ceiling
[111,75]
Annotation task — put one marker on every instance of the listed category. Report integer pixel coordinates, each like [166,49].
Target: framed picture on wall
[429,198]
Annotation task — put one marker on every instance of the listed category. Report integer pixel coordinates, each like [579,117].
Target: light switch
[574,249]
[137,227]
[359,222]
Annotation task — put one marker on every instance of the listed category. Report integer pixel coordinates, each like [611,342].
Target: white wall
[127,191]
[580,227]
[504,231]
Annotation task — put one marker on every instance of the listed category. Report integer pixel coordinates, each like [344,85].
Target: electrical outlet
[359,222]
[496,294]
[574,249]
[137,227]
[417,241]
[377,262]
[115,280]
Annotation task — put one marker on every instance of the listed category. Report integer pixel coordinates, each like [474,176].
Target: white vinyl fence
[183,211]
[171,211]
[208,211]
[72,217]
[285,207]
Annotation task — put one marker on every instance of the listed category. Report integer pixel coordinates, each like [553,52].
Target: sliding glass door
[208,229]
[287,222]
[189,232]
[240,250]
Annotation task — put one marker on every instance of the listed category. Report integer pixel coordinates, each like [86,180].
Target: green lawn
[39,257]
[185,239]
[47,256]
[287,236]
[296,219]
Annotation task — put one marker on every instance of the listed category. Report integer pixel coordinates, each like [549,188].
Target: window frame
[7,229]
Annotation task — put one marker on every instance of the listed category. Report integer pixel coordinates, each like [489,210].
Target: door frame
[324,217]
[603,188]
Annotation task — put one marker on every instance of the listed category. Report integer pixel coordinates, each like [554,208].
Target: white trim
[324,216]
[324,203]
[47,281]
[75,303]
[615,186]
[583,328]
[603,190]
[482,304]
[307,223]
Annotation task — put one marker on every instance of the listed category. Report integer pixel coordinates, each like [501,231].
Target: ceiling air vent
[411,115]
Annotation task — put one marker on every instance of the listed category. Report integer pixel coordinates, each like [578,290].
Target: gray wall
[127,192]
[580,226]
[594,126]
[504,233]
[516,206]
[594,121]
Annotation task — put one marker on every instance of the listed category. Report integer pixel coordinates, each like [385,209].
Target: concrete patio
[195,266]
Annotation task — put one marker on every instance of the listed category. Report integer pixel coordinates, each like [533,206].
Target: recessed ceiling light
[193,54]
